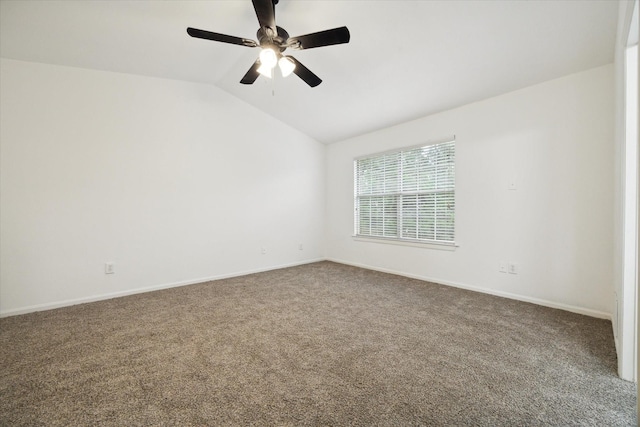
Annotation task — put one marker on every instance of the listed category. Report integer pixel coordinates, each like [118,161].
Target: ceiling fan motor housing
[277,42]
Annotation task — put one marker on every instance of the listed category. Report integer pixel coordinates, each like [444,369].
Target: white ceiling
[406,59]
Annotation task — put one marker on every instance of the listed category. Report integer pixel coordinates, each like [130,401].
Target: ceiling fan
[274,41]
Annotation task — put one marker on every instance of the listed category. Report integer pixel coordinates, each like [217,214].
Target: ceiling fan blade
[208,35]
[321,38]
[305,74]
[252,74]
[266,13]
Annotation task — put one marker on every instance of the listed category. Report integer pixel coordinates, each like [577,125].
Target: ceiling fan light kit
[268,57]
[274,41]
[286,66]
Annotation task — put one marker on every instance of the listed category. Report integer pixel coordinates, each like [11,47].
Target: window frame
[398,238]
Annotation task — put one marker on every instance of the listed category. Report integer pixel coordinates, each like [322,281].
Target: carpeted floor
[319,344]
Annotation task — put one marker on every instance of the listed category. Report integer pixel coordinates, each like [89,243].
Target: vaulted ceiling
[406,59]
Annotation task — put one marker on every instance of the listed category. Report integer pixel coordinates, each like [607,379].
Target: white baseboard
[67,303]
[101,297]
[538,301]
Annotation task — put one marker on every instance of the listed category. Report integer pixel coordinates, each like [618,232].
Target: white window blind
[407,194]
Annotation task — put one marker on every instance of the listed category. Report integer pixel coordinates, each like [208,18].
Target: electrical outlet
[503,267]
[300,246]
[109,268]
[263,250]
[513,268]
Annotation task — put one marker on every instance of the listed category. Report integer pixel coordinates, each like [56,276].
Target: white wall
[556,140]
[625,198]
[146,173]
[174,182]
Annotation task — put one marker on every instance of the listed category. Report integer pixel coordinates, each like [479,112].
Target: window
[407,195]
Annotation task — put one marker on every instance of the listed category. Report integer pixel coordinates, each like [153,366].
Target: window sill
[417,244]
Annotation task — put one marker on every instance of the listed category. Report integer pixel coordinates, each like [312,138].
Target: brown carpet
[319,344]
